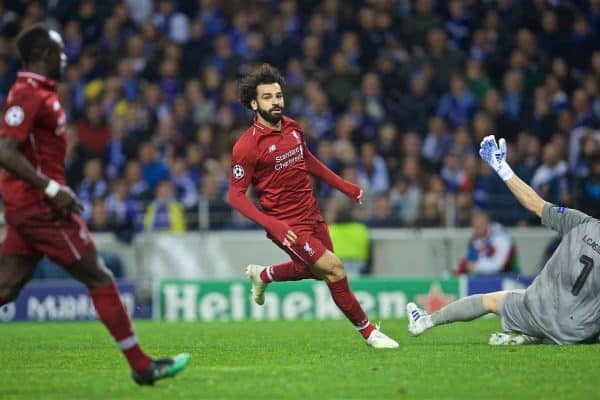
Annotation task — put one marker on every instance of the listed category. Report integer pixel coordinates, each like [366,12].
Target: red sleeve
[320,170]
[243,161]
[19,116]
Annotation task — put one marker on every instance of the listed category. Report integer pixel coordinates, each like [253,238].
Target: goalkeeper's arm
[526,195]
[495,156]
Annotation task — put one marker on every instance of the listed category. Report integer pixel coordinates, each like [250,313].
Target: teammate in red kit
[41,211]
[272,156]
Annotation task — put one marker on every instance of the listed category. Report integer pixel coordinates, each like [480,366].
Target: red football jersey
[274,163]
[33,116]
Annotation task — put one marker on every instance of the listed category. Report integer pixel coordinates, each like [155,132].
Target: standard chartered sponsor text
[289,157]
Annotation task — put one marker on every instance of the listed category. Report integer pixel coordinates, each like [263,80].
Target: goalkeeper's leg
[465,309]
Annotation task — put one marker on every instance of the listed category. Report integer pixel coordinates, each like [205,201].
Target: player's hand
[281,232]
[359,197]
[353,191]
[494,154]
[290,238]
[66,202]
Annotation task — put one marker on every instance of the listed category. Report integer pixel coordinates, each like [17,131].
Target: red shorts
[42,232]
[313,240]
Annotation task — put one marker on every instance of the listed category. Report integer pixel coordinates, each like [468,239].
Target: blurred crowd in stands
[393,94]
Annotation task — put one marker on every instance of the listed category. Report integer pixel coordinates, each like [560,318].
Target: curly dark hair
[264,74]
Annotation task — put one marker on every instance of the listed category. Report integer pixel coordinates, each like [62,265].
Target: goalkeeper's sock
[347,303]
[465,309]
[289,271]
[113,315]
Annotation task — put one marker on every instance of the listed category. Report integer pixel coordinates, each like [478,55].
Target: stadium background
[394,95]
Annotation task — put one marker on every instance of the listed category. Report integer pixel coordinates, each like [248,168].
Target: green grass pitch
[291,360]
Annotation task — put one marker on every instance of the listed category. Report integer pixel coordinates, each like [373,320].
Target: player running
[272,156]
[41,211]
[562,304]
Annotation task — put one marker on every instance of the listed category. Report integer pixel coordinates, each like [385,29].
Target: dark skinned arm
[63,200]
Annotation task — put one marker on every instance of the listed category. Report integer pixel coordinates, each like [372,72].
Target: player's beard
[268,115]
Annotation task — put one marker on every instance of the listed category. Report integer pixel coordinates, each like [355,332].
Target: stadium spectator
[186,191]
[587,189]
[457,106]
[117,149]
[125,212]
[413,108]
[371,168]
[340,81]
[550,178]
[153,168]
[491,249]
[406,200]
[452,172]
[172,24]
[432,214]
[165,213]
[93,132]
[423,20]
[436,142]
[219,211]
[93,186]
[383,213]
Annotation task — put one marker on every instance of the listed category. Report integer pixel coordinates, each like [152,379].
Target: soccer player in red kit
[272,156]
[41,211]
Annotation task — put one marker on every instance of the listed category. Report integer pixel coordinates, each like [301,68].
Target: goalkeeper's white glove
[495,156]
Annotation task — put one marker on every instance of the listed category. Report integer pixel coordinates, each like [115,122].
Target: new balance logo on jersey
[309,250]
[83,234]
[296,136]
[272,148]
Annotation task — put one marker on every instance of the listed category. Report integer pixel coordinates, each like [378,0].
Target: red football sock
[113,315]
[346,301]
[289,271]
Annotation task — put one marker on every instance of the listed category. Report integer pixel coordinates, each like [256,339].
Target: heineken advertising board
[230,300]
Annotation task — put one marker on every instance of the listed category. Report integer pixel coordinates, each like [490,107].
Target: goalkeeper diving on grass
[562,305]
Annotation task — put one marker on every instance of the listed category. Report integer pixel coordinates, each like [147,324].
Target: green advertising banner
[176,300]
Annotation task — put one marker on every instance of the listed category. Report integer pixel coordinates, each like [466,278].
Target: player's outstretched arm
[319,170]
[526,195]
[61,197]
[494,154]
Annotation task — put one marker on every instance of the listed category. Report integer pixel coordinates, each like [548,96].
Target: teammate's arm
[319,170]
[12,133]
[495,156]
[243,159]
[13,161]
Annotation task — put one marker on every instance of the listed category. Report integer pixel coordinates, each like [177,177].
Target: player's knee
[101,278]
[93,273]
[492,302]
[335,271]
